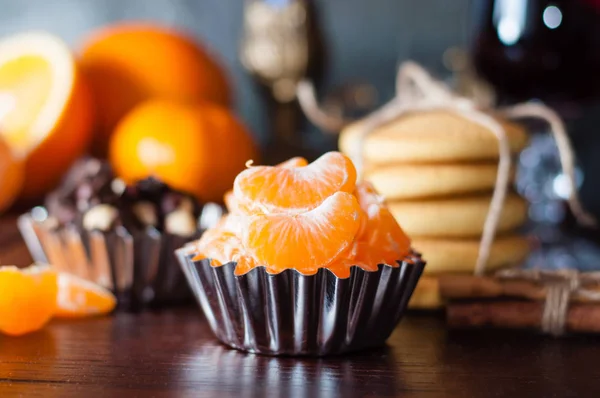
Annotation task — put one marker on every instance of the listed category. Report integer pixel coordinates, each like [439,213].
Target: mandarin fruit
[234,206]
[128,63]
[222,247]
[274,189]
[306,241]
[78,297]
[11,176]
[232,222]
[381,240]
[27,298]
[297,161]
[45,107]
[194,148]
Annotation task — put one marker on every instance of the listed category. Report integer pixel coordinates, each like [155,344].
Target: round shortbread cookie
[429,137]
[426,295]
[410,181]
[460,255]
[456,217]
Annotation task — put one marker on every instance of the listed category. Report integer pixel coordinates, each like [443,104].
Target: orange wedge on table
[27,298]
[78,297]
[45,107]
[31,296]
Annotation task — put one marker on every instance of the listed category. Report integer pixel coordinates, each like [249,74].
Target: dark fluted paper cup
[139,267]
[294,314]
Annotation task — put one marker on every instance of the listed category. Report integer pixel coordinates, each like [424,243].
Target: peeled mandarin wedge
[78,297]
[27,298]
[367,195]
[297,161]
[46,113]
[385,240]
[306,241]
[234,205]
[342,266]
[273,189]
[232,222]
[231,203]
[221,247]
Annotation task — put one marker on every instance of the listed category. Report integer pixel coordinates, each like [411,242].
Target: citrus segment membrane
[272,189]
[27,298]
[78,297]
[306,241]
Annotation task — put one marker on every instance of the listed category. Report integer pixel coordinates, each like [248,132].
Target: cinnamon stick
[519,315]
[469,286]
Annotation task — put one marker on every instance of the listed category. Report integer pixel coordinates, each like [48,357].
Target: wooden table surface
[171,353]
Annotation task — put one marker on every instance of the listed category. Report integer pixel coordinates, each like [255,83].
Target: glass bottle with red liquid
[549,50]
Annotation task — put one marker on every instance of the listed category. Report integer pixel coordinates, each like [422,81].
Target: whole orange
[128,63]
[196,148]
[11,176]
[46,113]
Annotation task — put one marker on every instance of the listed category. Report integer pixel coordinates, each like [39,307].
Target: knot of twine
[417,90]
[561,287]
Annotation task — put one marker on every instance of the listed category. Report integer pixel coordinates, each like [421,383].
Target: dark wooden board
[171,353]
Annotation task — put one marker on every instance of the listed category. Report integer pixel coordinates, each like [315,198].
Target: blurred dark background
[363,42]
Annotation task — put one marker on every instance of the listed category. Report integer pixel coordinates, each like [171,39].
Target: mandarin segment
[27,298]
[384,240]
[274,189]
[222,247]
[306,241]
[78,298]
[232,222]
[297,161]
[366,194]
[233,205]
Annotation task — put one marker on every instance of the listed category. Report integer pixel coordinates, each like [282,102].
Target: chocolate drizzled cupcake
[117,235]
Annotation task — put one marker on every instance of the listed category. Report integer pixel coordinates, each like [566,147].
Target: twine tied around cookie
[561,286]
[416,91]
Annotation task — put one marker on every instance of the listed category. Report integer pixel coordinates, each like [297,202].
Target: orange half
[45,108]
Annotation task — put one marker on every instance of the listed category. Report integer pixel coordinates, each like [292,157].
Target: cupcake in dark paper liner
[307,262]
[117,235]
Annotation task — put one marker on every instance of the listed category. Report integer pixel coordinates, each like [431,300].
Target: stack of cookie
[437,171]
